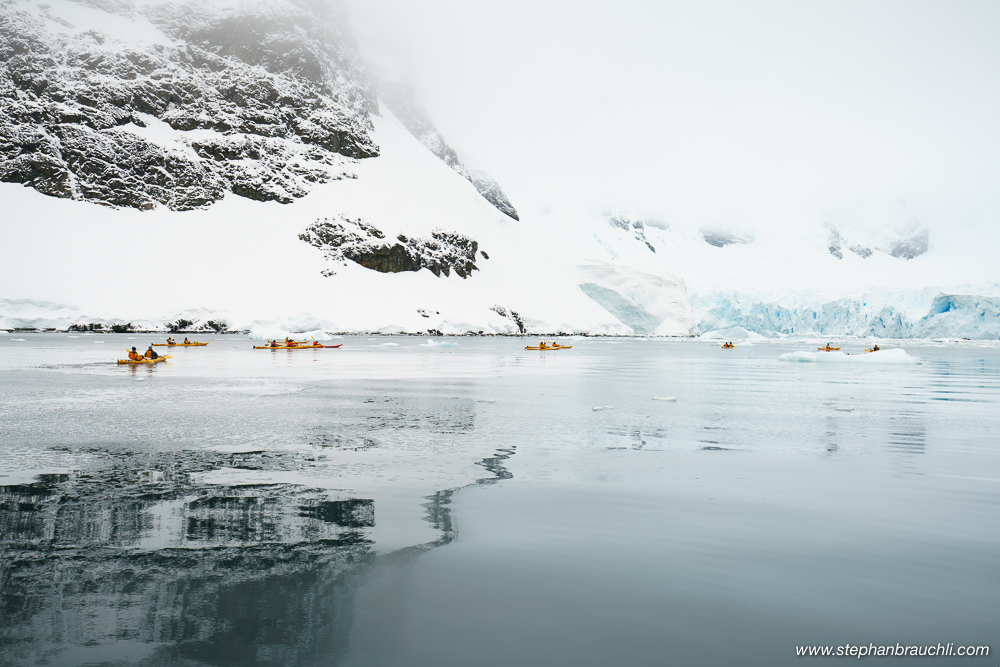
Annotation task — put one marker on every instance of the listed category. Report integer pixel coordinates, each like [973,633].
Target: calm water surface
[411,505]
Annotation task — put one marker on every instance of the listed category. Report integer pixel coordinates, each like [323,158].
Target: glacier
[927,313]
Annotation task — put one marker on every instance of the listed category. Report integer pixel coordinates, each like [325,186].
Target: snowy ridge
[400,99]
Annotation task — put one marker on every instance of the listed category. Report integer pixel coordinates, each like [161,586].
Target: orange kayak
[143,361]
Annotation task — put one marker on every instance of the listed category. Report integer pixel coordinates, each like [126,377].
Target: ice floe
[434,343]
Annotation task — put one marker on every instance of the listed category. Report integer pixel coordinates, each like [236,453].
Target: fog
[740,114]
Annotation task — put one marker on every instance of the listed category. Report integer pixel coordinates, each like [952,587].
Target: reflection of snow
[870,358]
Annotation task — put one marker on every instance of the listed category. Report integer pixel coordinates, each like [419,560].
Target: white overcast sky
[713,112]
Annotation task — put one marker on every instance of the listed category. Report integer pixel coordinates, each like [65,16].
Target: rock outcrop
[343,239]
[263,100]
[635,227]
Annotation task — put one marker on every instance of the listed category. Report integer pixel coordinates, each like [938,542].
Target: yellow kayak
[179,344]
[728,347]
[144,361]
[827,349]
[548,347]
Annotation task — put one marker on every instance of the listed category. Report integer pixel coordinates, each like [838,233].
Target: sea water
[486,505]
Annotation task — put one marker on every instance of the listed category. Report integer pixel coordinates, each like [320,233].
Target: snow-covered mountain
[236,164]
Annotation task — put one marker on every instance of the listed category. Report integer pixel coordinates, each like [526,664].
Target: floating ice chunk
[672,399]
[129,338]
[443,343]
[386,345]
[98,342]
[844,409]
[605,407]
[20,340]
[73,336]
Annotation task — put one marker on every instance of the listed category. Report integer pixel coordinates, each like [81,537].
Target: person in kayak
[134,356]
[171,341]
[151,353]
[876,348]
[186,341]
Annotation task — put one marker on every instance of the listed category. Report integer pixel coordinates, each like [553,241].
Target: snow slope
[241,261]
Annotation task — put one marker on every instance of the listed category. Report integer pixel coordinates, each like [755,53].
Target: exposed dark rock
[834,246]
[491,192]
[636,227]
[906,244]
[861,251]
[179,325]
[510,314]
[285,94]
[720,239]
[345,239]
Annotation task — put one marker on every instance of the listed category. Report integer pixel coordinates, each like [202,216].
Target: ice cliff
[925,313]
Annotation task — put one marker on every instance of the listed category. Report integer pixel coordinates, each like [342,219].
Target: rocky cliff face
[269,98]
[344,239]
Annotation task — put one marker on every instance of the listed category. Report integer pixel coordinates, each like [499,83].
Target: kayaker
[186,341]
[875,348]
[171,341]
[134,356]
[274,343]
[151,353]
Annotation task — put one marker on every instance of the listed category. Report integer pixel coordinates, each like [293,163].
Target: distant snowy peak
[634,227]
[720,238]
[906,243]
[176,104]
[399,98]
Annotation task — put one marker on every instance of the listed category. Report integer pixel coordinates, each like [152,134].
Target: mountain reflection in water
[136,561]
